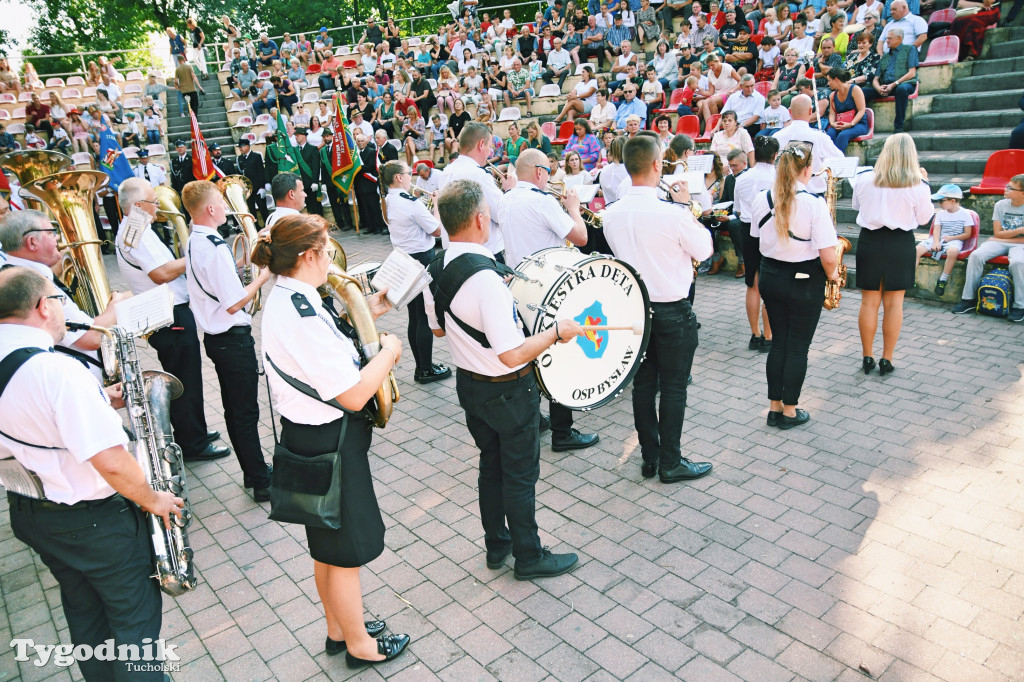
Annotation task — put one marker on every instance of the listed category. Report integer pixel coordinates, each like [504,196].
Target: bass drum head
[592,370]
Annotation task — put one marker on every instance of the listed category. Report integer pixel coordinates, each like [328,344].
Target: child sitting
[152,124]
[772,25]
[130,136]
[437,129]
[485,108]
[951,227]
[767,58]
[60,141]
[775,117]
[33,141]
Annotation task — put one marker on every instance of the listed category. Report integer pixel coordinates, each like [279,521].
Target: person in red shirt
[38,114]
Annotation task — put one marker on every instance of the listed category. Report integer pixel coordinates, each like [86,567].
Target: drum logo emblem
[593,343]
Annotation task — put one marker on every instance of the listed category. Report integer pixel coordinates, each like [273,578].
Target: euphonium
[349,292]
[70,196]
[170,210]
[147,397]
[237,189]
[834,290]
[32,164]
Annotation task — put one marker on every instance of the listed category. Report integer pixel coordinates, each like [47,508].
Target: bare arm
[250,291]
[120,470]
[373,375]
[829,262]
[168,272]
[533,346]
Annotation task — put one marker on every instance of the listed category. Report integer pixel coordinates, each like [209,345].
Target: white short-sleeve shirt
[532,220]
[465,168]
[410,223]
[899,208]
[810,227]
[213,283]
[136,263]
[823,148]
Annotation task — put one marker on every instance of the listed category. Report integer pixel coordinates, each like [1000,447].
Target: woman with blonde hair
[797,240]
[893,199]
[92,75]
[321,393]
[447,90]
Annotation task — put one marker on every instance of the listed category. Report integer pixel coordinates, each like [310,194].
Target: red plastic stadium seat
[688,125]
[757,38]
[943,15]
[313,68]
[426,162]
[710,126]
[999,168]
[564,133]
[869,116]
[673,103]
[764,87]
[751,25]
[1000,260]
[349,64]
[760,26]
[943,50]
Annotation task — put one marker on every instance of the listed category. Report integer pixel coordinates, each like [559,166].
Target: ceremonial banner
[202,162]
[345,159]
[288,158]
[113,162]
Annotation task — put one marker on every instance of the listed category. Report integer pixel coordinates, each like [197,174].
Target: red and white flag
[203,167]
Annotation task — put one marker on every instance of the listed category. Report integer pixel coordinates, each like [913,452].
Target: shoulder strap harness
[447,280]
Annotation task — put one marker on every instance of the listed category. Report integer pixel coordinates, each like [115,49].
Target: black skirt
[886,259]
[361,536]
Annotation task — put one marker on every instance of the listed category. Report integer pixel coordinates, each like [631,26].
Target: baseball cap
[948,191]
[322,29]
[244,142]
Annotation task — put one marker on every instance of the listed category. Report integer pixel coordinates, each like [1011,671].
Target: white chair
[244,122]
[415,42]
[71,93]
[327,94]
[89,92]
[82,159]
[133,89]
[311,97]
[344,50]
[18,112]
[131,152]
[549,90]
[262,120]
[250,137]
[262,139]
[397,144]
[135,76]
[6,98]
[579,67]
[25,97]
[5,115]
[433,84]
[240,105]
[263,75]
[156,150]
[55,82]
[16,128]
[118,77]
[159,75]
[133,103]
[510,114]
[76,80]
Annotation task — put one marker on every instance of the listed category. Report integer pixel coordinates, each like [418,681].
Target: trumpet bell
[340,260]
[32,164]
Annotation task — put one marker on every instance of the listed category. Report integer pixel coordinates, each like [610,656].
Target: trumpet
[428,196]
[499,177]
[594,218]
[695,208]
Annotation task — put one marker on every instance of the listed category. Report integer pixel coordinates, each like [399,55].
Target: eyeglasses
[148,201]
[62,298]
[52,230]
[547,168]
[1011,188]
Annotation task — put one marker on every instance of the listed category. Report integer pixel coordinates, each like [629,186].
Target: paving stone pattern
[884,539]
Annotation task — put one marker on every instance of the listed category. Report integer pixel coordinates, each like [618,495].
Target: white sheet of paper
[700,163]
[845,167]
[146,312]
[403,276]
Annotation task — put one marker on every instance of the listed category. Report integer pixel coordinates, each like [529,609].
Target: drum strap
[447,280]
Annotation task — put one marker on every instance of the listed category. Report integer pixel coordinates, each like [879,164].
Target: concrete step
[967,163]
[973,102]
[949,141]
[1009,48]
[987,119]
[988,67]
[988,83]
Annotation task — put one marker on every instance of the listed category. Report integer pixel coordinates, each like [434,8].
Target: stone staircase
[213,120]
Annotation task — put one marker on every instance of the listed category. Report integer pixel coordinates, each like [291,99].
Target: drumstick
[637,328]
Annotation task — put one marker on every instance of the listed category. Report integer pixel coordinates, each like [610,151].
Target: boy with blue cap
[951,228]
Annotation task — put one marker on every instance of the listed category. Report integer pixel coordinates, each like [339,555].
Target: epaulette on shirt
[406,195]
[302,305]
[217,241]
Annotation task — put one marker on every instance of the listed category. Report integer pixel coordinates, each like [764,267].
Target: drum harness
[447,280]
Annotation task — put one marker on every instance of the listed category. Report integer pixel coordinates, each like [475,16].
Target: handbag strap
[305,388]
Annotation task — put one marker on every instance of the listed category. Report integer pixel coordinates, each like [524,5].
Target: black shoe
[885,367]
[496,560]
[868,364]
[574,441]
[755,342]
[649,469]
[965,306]
[548,566]
[435,373]
[545,423]
[685,471]
[374,628]
[689,379]
[209,452]
[390,646]
[766,345]
[940,287]
[773,418]
[802,417]
[248,484]
[261,494]
[212,436]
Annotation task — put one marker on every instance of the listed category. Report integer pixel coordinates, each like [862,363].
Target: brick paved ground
[885,538]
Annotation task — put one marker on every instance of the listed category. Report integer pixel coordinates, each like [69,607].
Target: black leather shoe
[868,364]
[685,471]
[435,373]
[389,646]
[575,441]
[261,494]
[773,418]
[374,628]
[496,560]
[248,484]
[802,417]
[548,566]
[212,436]
[885,367]
[545,423]
[209,452]
[649,469]
[755,342]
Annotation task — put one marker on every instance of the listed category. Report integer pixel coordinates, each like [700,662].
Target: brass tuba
[349,292]
[70,195]
[237,190]
[32,164]
[170,210]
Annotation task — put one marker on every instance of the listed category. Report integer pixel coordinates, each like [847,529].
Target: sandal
[529,112]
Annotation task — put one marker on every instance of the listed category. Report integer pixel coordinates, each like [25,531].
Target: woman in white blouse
[798,255]
[892,200]
[575,173]
[730,136]
[603,114]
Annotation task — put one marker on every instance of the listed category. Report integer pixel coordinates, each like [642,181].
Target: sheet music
[15,478]
[700,163]
[403,276]
[586,193]
[137,223]
[843,167]
[146,312]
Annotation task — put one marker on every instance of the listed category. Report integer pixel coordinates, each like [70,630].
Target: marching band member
[751,183]
[800,130]
[797,241]
[148,264]
[218,300]
[413,229]
[660,239]
[30,240]
[56,422]
[303,342]
[533,220]
[474,150]
[289,197]
[892,200]
[152,173]
[470,305]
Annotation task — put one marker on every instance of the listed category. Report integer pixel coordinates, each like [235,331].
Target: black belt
[234,331]
[24,502]
[511,376]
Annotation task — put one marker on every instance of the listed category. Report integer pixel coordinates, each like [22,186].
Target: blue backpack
[995,294]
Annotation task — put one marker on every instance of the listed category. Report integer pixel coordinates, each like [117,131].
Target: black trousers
[504,420]
[339,206]
[313,204]
[588,52]
[561,420]
[371,220]
[234,357]
[177,347]
[193,100]
[421,339]
[100,554]
[665,368]
[258,204]
[549,76]
[735,230]
[793,302]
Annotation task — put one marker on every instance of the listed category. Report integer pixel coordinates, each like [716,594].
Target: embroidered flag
[202,163]
[112,160]
[345,159]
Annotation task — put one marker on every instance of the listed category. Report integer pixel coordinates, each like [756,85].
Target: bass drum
[560,283]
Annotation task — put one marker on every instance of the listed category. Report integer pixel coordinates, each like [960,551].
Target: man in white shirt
[150,172]
[915,29]
[113,93]
[800,129]
[559,61]
[474,150]
[463,43]
[801,42]
[145,264]
[748,104]
[428,179]
[289,197]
